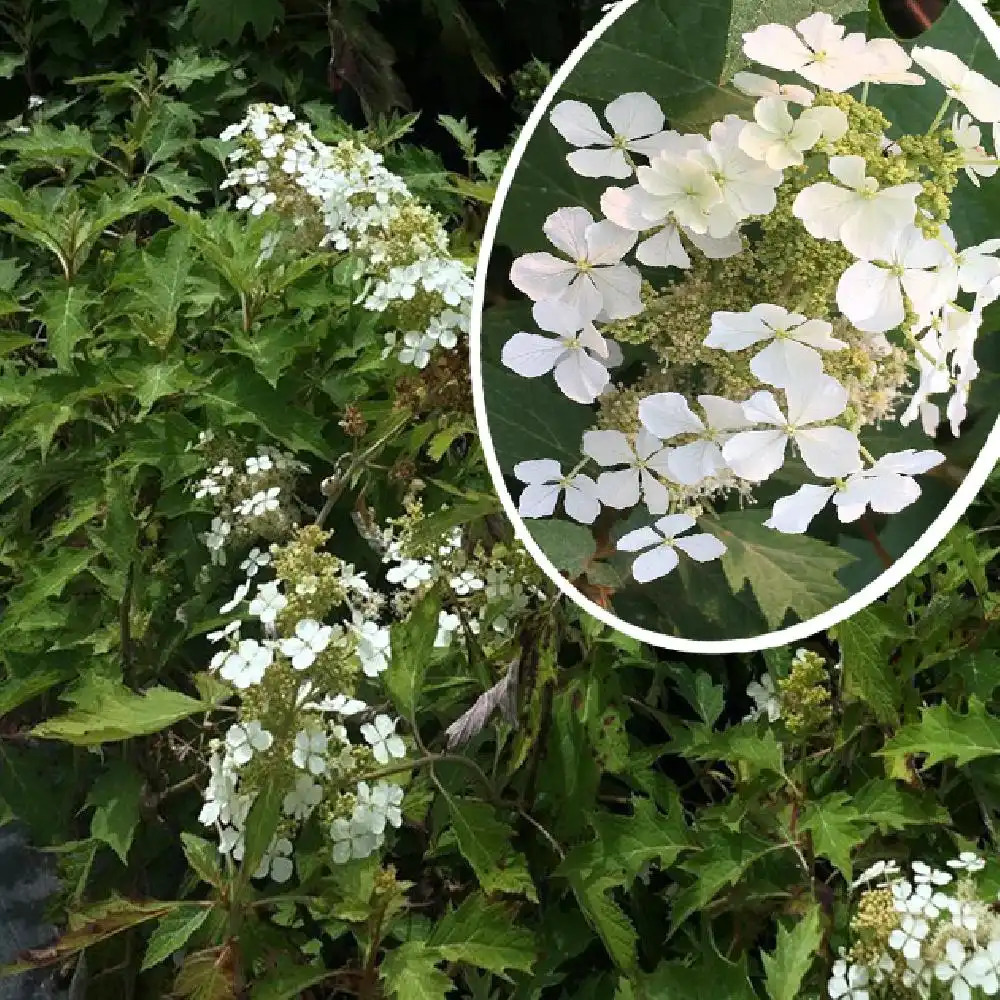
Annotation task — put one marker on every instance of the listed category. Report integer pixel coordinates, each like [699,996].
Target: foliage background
[633,836]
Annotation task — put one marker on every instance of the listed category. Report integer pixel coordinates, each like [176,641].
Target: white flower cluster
[899,290]
[401,248]
[927,935]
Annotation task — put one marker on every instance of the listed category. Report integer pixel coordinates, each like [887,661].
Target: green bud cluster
[804,694]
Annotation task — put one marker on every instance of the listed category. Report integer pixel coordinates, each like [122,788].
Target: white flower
[820,52]
[255,562]
[466,583]
[258,464]
[545,482]
[373,647]
[968,860]
[207,487]
[881,869]
[636,209]
[923,874]
[909,935]
[411,573]
[679,186]
[245,666]
[594,279]
[417,349]
[862,217]
[268,603]
[277,860]
[352,838]
[448,624]
[765,698]
[886,61]
[661,544]
[310,639]
[987,968]
[977,267]
[781,141]
[574,355]
[968,138]
[261,502]
[848,982]
[645,458]
[960,969]
[794,345]
[381,736]
[633,118]
[223,633]
[243,740]
[747,185]
[241,592]
[342,704]
[310,750]
[888,486]
[979,95]
[870,295]
[755,85]
[668,414]
[828,451]
[303,798]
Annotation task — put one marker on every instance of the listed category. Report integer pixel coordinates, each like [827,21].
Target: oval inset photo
[734,346]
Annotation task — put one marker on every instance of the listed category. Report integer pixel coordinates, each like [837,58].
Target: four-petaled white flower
[268,603]
[645,458]
[976,162]
[795,342]
[967,861]
[448,625]
[980,96]
[765,698]
[871,294]
[848,982]
[310,639]
[755,85]
[255,562]
[886,61]
[817,50]
[961,969]
[411,573]
[245,665]
[373,648]
[863,217]
[578,356]
[594,279]
[545,482]
[303,798]
[668,415]
[828,450]
[277,861]
[636,121]
[678,185]
[781,141]
[244,740]
[909,936]
[381,736]
[309,752]
[661,544]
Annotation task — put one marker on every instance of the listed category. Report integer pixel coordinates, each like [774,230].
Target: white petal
[784,362]
[715,248]
[655,563]
[607,243]
[639,539]
[531,354]
[815,399]
[777,46]
[619,489]
[791,515]
[578,124]
[538,470]
[538,500]
[608,448]
[674,524]
[734,331]
[755,455]
[702,548]
[581,377]
[599,163]
[829,452]
[822,209]
[723,414]
[619,288]
[667,414]
[541,275]
[634,115]
[560,317]
[762,408]
[691,463]
[580,501]
[566,228]
[664,249]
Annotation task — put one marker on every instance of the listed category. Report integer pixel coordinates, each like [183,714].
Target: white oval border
[939,527]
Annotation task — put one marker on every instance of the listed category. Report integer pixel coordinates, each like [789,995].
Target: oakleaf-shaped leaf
[944,734]
[793,956]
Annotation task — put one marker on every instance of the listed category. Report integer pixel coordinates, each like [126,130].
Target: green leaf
[568,545]
[412,643]
[64,316]
[287,981]
[203,857]
[837,826]
[106,712]
[944,734]
[262,822]
[410,972]
[606,917]
[866,641]
[225,20]
[173,932]
[485,935]
[698,690]
[187,67]
[791,576]
[709,974]
[786,967]
[10,63]
[632,842]
[892,806]
[116,798]
[485,843]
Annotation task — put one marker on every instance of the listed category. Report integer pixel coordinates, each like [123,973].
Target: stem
[864,93]
[939,116]
[869,532]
